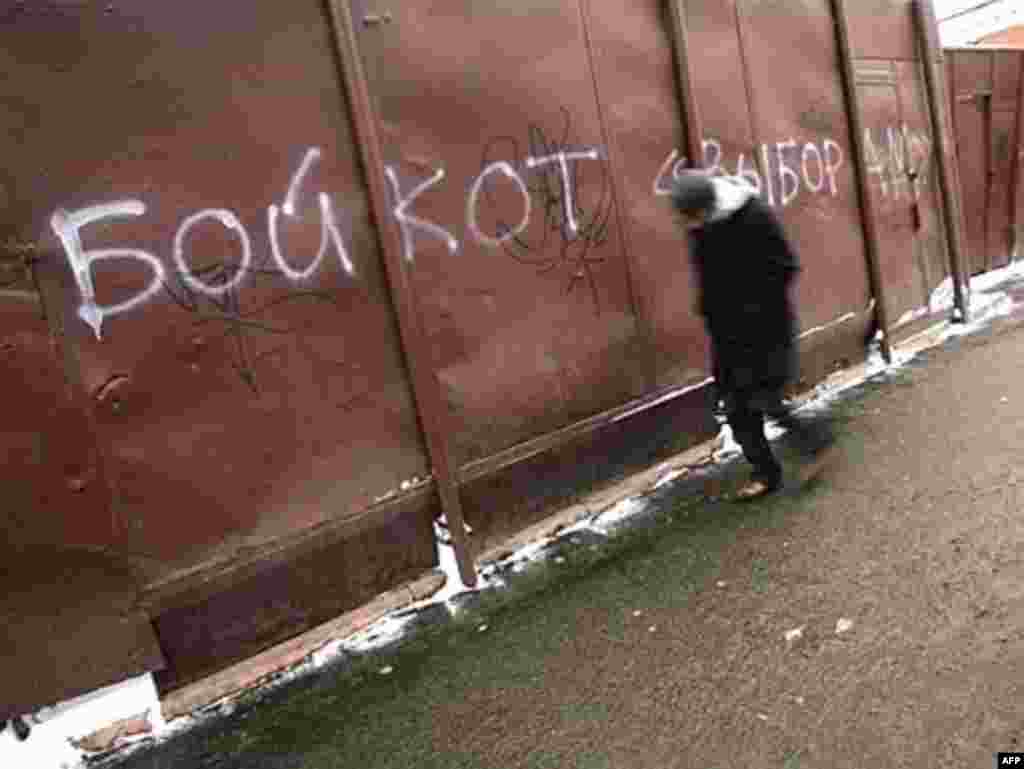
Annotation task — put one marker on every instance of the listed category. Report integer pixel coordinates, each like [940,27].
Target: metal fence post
[924,17]
[426,388]
[687,94]
[861,172]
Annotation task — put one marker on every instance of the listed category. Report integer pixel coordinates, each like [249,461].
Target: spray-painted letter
[563,158]
[407,221]
[833,162]
[750,174]
[712,150]
[659,188]
[329,232]
[789,180]
[897,160]
[230,222]
[67,225]
[811,149]
[471,204]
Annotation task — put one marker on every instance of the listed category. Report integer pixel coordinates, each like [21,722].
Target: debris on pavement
[795,633]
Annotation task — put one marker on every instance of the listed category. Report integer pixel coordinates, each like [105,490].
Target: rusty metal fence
[985,91]
[282,285]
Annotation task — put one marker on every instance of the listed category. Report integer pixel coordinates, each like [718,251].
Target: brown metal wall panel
[973,72]
[285,596]
[637,77]
[238,404]
[891,197]
[55,488]
[972,143]
[804,136]
[716,58]
[1006,79]
[919,148]
[1002,146]
[1017,200]
[882,29]
[537,331]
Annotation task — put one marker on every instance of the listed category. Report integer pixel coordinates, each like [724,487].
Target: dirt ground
[710,641]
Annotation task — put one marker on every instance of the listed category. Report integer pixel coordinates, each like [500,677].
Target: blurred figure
[745,267]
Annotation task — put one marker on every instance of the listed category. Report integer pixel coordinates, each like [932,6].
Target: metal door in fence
[985,89]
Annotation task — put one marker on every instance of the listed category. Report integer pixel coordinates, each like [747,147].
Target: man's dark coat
[745,266]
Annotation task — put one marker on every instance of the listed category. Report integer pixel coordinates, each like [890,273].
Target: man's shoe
[755,489]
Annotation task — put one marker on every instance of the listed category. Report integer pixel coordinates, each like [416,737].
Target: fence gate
[985,97]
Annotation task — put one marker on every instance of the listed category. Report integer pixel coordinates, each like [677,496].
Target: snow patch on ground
[668,477]
[622,511]
[49,743]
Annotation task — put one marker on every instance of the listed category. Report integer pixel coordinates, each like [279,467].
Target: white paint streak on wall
[811,151]
[767,172]
[311,157]
[659,189]
[474,193]
[833,162]
[750,174]
[712,150]
[900,151]
[563,158]
[407,221]
[67,225]
[230,222]
[789,180]
[329,232]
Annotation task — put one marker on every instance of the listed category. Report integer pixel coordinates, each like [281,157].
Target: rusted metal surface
[1003,145]
[531,334]
[425,386]
[234,415]
[899,152]
[685,81]
[986,87]
[51,460]
[392,260]
[1017,187]
[972,81]
[237,405]
[648,137]
[859,161]
[279,597]
[940,117]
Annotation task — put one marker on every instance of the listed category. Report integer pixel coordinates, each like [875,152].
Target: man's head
[693,197]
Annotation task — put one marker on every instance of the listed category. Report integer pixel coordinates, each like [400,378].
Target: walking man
[744,267]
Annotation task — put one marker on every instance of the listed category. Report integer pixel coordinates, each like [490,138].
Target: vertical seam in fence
[743,40]
[988,118]
[78,395]
[687,94]
[924,16]
[1015,173]
[625,232]
[426,390]
[867,210]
